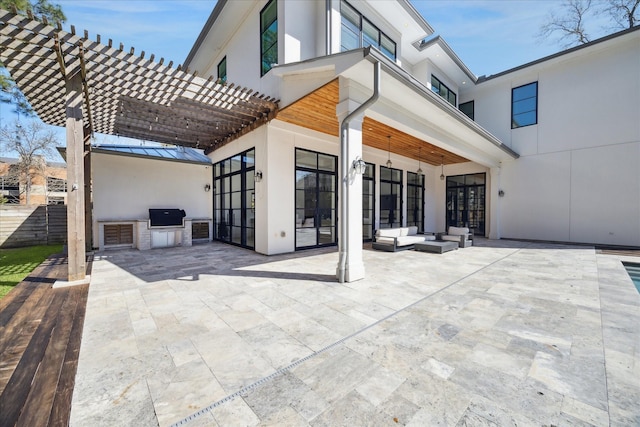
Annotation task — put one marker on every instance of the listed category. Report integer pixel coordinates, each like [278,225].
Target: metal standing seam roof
[177,154]
[125,94]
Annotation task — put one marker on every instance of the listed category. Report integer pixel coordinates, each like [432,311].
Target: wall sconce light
[258,176]
[442,168]
[359,166]
[501,193]
[389,161]
[207,187]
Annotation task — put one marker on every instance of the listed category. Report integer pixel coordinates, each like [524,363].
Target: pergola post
[75,179]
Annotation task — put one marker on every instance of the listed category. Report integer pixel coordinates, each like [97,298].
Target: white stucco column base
[494,204]
[352,262]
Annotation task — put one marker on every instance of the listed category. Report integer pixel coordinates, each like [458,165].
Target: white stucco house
[546,151]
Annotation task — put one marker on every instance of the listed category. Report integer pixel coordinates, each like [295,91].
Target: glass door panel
[466,202]
[315,199]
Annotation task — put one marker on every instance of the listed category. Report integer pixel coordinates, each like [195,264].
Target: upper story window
[222,70]
[468,109]
[524,105]
[268,37]
[441,89]
[358,31]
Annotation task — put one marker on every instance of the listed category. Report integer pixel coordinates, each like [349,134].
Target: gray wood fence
[32,225]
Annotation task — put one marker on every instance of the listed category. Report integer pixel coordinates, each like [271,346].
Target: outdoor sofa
[395,239]
[460,235]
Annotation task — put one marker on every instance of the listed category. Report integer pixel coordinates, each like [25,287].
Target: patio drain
[281,371]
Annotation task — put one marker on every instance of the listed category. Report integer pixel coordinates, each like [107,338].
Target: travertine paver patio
[502,333]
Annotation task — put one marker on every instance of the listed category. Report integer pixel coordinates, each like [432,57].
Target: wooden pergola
[90,87]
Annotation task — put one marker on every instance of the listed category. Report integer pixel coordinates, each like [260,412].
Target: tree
[570,24]
[625,13]
[9,92]
[570,21]
[33,142]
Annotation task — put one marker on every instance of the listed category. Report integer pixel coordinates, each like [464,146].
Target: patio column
[75,179]
[494,222]
[354,266]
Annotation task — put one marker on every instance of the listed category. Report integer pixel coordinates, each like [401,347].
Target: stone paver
[501,333]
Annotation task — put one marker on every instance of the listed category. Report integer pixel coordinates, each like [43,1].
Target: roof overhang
[125,94]
[405,104]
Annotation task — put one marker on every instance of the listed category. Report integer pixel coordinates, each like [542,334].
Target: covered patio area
[503,332]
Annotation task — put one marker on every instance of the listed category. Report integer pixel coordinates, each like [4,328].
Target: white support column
[75,180]
[495,202]
[354,265]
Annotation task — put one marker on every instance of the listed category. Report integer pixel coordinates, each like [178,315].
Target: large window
[234,210]
[441,89]
[368,202]
[316,199]
[222,70]
[468,109]
[415,200]
[524,105]
[390,197]
[268,37]
[358,31]
[466,202]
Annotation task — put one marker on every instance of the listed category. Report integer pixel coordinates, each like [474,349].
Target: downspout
[327,16]
[344,163]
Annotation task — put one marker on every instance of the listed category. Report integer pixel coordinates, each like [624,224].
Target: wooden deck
[40,333]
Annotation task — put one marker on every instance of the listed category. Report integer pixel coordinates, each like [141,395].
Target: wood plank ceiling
[125,94]
[317,111]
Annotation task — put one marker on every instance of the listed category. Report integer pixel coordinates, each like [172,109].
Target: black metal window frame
[220,177]
[222,70]
[443,90]
[524,103]
[369,176]
[455,182]
[468,109]
[317,221]
[392,182]
[415,182]
[268,17]
[364,31]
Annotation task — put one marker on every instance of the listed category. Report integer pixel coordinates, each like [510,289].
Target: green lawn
[16,264]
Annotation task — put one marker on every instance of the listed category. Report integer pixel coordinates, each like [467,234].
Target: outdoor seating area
[396,239]
[461,235]
[403,238]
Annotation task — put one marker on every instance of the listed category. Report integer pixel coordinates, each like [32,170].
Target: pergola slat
[126,92]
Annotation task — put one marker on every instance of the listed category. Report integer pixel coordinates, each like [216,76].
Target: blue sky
[489,36]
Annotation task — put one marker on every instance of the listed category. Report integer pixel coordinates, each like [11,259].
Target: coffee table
[435,247]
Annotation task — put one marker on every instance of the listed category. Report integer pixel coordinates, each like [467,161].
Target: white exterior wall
[578,177]
[303,25]
[125,188]
[275,194]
